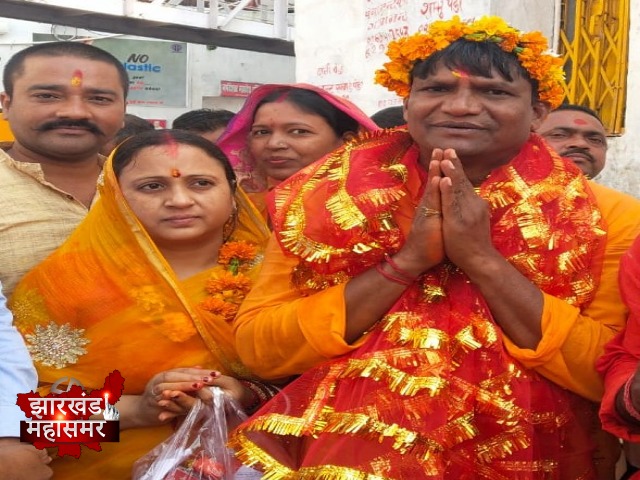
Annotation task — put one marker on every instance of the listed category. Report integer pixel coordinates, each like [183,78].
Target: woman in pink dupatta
[282,129]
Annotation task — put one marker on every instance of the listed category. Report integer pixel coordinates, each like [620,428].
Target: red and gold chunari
[432,392]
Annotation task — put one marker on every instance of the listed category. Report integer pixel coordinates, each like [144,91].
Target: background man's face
[578,136]
[65,107]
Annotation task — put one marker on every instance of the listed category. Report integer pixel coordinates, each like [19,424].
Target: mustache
[582,151]
[92,127]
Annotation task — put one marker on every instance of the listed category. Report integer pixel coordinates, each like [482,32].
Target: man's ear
[5,101]
[540,112]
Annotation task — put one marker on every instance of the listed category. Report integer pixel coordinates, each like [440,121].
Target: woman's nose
[277,141]
[180,197]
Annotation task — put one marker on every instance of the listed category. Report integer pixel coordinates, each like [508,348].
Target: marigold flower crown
[530,48]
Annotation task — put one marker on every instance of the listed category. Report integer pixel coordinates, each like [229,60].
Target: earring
[230,225]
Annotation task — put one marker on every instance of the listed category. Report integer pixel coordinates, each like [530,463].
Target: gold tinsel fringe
[423,338]
[253,456]
[279,424]
[502,445]
[363,425]
[505,411]
[397,381]
[344,212]
[333,472]
[456,431]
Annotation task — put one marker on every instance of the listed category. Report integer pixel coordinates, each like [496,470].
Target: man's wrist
[625,404]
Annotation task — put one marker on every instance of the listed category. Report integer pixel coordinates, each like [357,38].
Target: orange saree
[431,392]
[107,299]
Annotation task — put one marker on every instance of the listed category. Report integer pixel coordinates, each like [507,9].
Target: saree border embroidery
[56,345]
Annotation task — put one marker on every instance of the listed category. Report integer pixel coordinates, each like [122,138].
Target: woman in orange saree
[147,285]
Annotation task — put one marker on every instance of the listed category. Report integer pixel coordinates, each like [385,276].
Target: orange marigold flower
[227,286]
[225,280]
[219,307]
[241,251]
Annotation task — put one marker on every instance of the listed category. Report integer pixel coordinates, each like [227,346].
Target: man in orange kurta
[310,329]
[443,289]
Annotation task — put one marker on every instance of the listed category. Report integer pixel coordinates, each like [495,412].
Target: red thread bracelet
[391,277]
[401,272]
[628,404]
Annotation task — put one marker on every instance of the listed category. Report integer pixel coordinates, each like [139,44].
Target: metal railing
[258,25]
[253,10]
[594,43]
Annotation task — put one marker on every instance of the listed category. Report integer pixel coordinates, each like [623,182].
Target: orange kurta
[109,300]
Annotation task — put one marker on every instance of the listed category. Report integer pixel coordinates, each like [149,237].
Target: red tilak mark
[171,145]
[459,73]
[175,173]
[579,121]
[76,78]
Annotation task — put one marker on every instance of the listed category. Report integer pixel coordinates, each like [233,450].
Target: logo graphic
[62,418]
[68,381]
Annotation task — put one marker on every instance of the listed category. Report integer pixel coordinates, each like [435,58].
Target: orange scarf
[432,393]
[107,299]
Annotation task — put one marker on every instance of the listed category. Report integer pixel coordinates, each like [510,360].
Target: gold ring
[430,212]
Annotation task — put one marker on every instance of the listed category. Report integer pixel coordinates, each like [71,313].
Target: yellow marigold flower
[530,48]
[492,26]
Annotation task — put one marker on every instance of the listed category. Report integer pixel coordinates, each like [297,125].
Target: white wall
[528,14]
[211,66]
[340,44]
[205,69]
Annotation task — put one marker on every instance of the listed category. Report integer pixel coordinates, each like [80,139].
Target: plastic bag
[197,450]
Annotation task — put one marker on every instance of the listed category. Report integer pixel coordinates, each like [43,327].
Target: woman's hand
[146,410]
[176,403]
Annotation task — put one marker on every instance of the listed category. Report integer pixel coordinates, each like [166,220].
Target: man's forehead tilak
[76,78]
